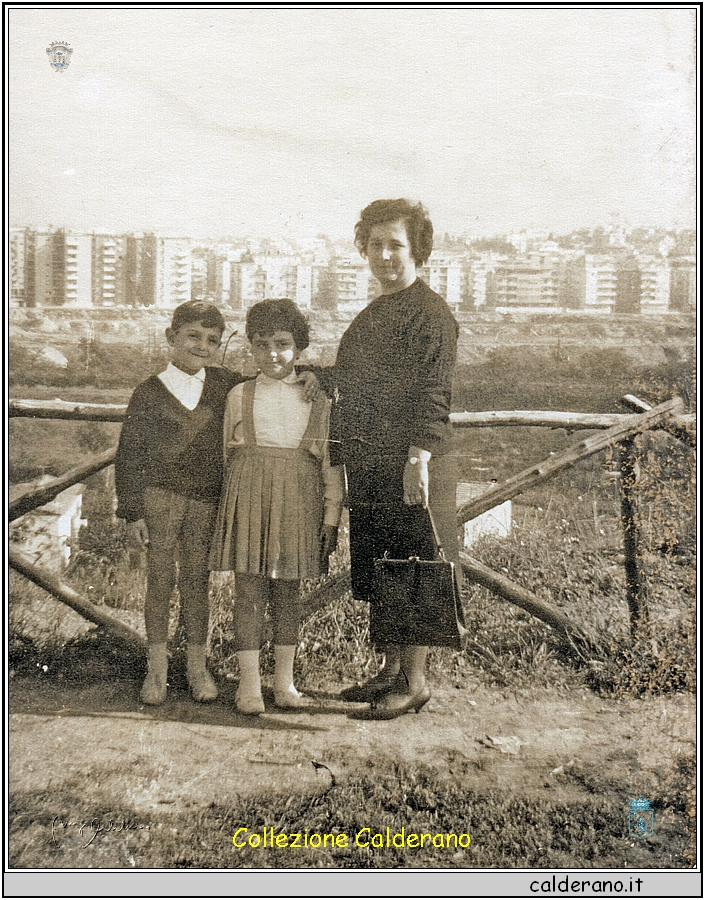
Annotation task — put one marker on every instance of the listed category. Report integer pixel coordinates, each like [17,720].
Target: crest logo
[640,819]
[59,54]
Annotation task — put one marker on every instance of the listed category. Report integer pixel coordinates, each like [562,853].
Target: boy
[168,477]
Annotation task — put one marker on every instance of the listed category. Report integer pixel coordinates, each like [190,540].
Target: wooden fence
[613,430]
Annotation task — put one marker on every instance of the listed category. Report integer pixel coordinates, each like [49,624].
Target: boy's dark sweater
[165,445]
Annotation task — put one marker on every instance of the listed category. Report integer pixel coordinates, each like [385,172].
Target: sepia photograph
[352,374]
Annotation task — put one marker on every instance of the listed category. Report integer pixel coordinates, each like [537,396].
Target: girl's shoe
[289,699]
[203,688]
[153,691]
[250,706]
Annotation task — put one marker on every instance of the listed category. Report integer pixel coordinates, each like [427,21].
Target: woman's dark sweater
[393,375]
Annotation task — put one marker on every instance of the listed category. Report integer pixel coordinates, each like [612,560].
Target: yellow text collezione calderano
[267,839]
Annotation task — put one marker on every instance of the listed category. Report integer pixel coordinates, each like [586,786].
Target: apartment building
[590,283]
[17,249]
[113,270]
[78,268]
[173,271]
[655,284]
[265,277]
[443,275]
[44,268]
[683,285]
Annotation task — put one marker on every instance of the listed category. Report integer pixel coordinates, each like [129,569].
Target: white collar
[186,388]
[174,373]
[292,378]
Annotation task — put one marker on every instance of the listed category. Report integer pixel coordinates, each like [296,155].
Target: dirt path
[183,756]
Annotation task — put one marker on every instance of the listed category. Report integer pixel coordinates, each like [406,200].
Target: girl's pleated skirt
[270,514]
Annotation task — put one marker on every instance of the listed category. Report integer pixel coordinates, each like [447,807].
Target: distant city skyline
[439,236]
[284,123]
[604,270]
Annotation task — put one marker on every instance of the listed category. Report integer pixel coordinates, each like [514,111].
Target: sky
[285,122]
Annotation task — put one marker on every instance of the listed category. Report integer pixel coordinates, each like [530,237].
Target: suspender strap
[315,433]
[248,418]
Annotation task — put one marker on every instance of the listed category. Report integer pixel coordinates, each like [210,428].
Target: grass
[565,547]
[506,830]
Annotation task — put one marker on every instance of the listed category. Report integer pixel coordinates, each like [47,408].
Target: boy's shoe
[153,691]
[288,699]
[203,688]
[252,705]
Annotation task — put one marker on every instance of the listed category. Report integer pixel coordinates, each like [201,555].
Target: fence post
[636,583]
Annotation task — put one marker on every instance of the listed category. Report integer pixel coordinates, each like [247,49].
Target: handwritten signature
[92,828]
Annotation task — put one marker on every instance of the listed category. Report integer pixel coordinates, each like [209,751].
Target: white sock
[250,685]
[196,661]
[157,660]
[284,667]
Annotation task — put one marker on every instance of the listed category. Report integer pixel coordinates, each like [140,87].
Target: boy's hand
[312,389]
[138,533]
[328,543]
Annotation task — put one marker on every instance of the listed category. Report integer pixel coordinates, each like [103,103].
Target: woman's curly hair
[419,229]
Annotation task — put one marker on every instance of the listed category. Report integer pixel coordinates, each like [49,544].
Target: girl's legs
[286,618]
[251,592]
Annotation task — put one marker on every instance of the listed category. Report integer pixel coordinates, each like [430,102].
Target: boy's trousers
[175,520]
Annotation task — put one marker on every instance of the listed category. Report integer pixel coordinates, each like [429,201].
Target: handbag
[418,600]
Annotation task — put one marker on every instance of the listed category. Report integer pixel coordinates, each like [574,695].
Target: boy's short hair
[198,311]
[268,316]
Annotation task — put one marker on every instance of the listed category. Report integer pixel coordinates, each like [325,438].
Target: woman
[392,387]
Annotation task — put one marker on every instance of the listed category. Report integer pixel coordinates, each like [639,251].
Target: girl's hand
[312,389]
[416,483]
[138,533]
[328,542]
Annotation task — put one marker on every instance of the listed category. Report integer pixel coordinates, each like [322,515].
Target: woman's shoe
[250,706]
[370,691]
[391,706]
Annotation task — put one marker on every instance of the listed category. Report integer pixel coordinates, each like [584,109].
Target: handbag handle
[436,536]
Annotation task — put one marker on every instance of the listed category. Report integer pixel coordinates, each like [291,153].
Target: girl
[281,502]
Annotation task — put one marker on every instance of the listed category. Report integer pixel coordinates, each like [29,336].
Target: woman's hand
[416,482]
[138,534]
[328,542]
[312,388]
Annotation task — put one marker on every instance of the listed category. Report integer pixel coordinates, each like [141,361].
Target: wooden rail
[40,492]
[544,470]
[616,428]
[571,421]
[67,595]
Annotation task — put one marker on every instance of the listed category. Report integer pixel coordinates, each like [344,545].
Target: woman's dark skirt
[380,522]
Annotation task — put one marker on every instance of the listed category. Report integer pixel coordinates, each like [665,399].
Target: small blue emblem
[640,819]
[59,54]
